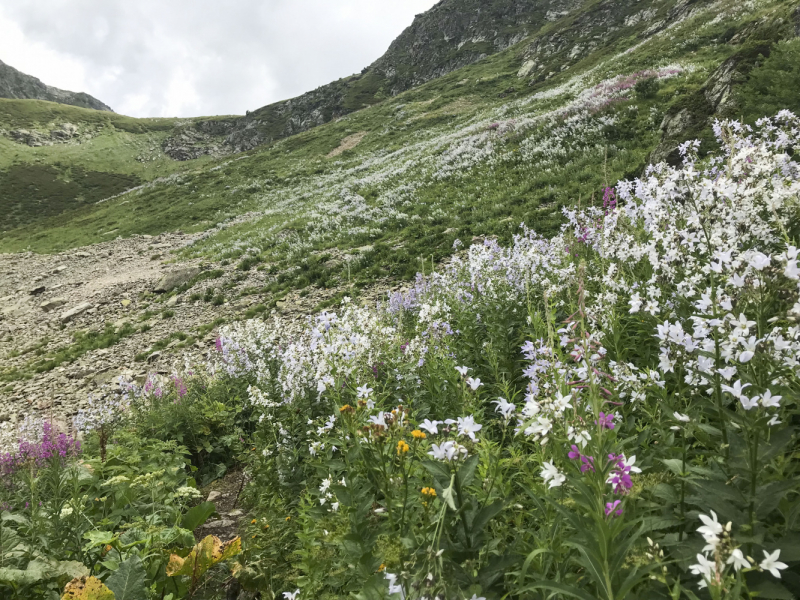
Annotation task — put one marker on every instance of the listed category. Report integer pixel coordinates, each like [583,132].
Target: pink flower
[605,421]
[611,507]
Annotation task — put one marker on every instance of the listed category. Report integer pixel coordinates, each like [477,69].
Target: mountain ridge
[14,84]
[450,35]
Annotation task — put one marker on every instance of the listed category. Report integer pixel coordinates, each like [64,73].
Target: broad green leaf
[98,538]
[439,471]
[675,465]
[33,574]
[39,570]
[16,518]
[128,581]
[172,537]
[486,514]
[87,588]
[448,495]
[198,515]
[467,471]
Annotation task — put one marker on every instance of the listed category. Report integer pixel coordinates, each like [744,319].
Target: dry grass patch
[348,143]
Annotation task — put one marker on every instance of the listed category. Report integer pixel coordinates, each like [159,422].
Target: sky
[182,58]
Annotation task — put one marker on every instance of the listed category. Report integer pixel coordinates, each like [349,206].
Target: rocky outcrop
[175,279]
[66,133]
[695,112]
[17,85]
[451,35]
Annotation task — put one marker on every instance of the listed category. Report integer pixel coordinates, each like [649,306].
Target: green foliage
[209,417]
[121,518]
[771,84]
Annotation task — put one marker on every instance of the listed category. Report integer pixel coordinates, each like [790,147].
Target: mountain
[451,35]
[639,78]
[18,85]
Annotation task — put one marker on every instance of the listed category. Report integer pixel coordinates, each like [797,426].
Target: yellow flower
[428,491]
[402,447]
[418,435]
[253,522]
[382,567]
[289,517]
[266,526]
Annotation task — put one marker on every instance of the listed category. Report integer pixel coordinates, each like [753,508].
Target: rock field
[46,299]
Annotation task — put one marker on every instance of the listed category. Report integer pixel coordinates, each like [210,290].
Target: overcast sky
[168,58]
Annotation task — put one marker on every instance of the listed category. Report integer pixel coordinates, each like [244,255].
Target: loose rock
[74,312]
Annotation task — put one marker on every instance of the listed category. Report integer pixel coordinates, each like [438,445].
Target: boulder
[175,279]
[52,304]
[37,290]
[74,312]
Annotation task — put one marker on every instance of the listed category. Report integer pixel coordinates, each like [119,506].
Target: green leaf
[769,496]
[467,471]
[486,514]
[198,515]
[171,537]
[19,519]
[439,472]
[128,581]
[448,495]
[675,465]
[778,440]
[98,538]
[39,570]
[343,495]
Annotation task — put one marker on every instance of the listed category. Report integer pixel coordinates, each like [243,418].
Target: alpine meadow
[511,314]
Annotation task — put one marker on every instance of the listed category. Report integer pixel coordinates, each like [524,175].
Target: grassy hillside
[472,153]
[106,154]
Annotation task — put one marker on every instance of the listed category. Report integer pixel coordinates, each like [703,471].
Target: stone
[175,279]
[37,290]
[172,301]
[221,524]
[125,303]
[53,303]
[212,496]
[83,255]
[236,513]
[60,269]
[74,312]
[154,356]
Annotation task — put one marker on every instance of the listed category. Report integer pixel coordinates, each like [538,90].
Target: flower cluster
[39,448]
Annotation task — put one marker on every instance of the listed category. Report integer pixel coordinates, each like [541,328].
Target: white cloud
[206,57]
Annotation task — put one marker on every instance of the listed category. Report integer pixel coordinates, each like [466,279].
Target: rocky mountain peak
[17,85]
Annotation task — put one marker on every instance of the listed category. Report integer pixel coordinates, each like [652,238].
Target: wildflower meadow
[610,413]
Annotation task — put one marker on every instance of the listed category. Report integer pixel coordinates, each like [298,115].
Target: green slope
[477,151]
